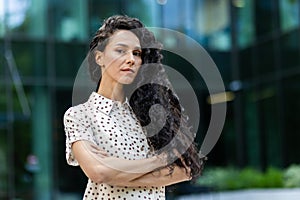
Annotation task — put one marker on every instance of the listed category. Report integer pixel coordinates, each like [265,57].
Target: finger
[182,160]
[178,155]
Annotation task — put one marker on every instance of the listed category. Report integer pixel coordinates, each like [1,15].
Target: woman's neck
[114,92]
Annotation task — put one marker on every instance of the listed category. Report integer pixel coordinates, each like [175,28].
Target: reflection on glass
[13,12]
[212,23]
[71,20]
[99,10]
[245,24]
[138,9]
[25,17]
[265,17]
[289,18]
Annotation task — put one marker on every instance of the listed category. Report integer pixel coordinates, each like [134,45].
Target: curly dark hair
[151,86]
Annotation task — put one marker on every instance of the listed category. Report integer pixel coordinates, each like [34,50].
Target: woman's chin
[126,80]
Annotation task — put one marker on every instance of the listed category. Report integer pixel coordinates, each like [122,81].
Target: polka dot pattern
[113,127]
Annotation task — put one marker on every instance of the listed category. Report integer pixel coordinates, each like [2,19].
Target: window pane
[269,125]
[20,17]
[265,16]
[3,144]
[291,118]
[3,160]
[30,58]
[289,14]
[2,61]
[246,63]
[265,58]
[71,20]
[68,58]
[23,161]
[252,127]
[290,49]
[245,22]
[222,60]
[136,8]
[99,10]
[212,21]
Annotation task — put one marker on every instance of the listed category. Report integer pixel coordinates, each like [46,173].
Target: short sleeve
[77,127]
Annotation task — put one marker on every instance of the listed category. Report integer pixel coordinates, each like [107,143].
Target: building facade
[255,45]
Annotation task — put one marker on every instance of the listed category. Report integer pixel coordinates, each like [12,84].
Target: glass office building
[254,43]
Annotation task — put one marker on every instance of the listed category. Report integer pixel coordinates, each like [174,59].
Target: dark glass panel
[2,60]
[265,17]
[290,49]
[291,117]
[246,63]
[252,127]
[99,10]
[23,171]
[30,58]
[265,57]
[270,125]
[68,59]
[4,167]
[222,59]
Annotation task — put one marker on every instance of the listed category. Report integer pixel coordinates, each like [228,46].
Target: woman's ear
[99,57]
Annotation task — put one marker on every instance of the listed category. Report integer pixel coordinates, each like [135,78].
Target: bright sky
[15,11]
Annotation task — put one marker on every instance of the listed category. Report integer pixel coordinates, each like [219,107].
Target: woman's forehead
[124,37]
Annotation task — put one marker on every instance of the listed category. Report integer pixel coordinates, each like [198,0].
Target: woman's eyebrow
[125,45]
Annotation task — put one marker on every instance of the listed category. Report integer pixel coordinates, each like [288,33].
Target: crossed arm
[101,168]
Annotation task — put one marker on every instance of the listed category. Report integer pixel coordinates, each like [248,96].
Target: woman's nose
[130,58]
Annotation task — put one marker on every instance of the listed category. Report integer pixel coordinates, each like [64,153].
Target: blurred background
[254,43]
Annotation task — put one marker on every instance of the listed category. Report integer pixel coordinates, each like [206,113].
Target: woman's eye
[120,51]
[137,53]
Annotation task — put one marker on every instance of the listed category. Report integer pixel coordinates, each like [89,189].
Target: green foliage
[273,178]
[292,176]
[232,178]
[250,178]
[219,178]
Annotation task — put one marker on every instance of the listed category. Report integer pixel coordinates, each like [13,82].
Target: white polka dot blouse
[113,127]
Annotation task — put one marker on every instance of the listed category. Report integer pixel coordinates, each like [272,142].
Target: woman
[105,135]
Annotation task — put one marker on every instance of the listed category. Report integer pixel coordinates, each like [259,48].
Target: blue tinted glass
[289,14]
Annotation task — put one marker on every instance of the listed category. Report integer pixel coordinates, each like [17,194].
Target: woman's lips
[127,70]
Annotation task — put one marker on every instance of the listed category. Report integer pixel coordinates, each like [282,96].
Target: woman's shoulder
[74,110]
[81,108]
[77,111]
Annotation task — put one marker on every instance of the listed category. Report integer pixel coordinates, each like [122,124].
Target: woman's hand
[187,168]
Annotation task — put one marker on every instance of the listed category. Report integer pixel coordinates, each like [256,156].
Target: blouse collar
[104,104]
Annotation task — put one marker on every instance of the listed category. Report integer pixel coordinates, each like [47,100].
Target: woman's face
[121,58]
